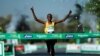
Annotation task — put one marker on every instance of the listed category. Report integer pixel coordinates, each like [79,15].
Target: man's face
[49,17]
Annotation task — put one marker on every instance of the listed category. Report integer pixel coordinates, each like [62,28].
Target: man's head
[49,17]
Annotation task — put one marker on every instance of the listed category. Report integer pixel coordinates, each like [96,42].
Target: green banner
[48,36]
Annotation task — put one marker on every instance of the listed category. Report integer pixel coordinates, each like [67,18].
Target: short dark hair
[50,15]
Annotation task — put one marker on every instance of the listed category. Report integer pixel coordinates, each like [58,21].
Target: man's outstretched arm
[36,19]
[64,17]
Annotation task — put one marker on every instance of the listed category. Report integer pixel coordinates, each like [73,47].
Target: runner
[50,28]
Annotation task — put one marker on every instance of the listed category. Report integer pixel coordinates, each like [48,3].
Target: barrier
[10,51]
[48,36]
[40,36]
[2,49]
[6,52]
[83,48]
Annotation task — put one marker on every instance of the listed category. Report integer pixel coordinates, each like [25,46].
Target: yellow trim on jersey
[47,25]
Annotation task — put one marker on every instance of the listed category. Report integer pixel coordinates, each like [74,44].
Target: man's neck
[49,21]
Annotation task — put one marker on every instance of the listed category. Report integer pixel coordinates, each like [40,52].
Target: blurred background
[16,17]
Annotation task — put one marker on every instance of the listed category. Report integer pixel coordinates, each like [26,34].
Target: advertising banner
[2,49]
[48,36]
[73,48]
[9,50]
[89,47]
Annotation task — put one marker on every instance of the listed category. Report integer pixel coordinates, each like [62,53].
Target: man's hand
[35,17]
[32,9]
[70,12]
[67,16]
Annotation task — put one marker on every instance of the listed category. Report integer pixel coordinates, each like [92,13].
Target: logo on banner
[28,36]
[69,36]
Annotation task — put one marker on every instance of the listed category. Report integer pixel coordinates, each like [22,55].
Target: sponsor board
[9,50]
[80,48]
[2,49]
[89,47]
[73,48]
[98,48]
[30,48]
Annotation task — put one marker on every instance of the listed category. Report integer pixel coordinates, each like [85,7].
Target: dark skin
[50,44]
[49,17]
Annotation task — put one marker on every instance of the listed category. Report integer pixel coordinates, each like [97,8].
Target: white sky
[41,7]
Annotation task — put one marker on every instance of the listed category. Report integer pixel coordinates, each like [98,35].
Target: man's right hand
[32,9]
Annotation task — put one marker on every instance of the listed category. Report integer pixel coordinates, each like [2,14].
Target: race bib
[50,29]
